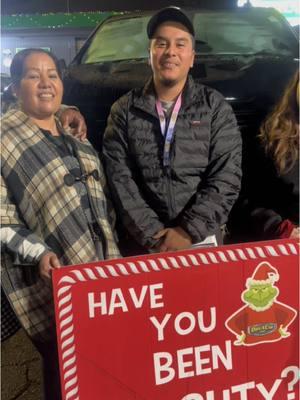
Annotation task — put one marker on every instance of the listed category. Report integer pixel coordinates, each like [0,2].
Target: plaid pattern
[39,212]
[67,154]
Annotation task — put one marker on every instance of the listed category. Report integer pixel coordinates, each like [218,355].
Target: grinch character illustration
[262,319]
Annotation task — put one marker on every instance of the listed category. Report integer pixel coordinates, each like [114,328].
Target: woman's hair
[279,133]
[17,64]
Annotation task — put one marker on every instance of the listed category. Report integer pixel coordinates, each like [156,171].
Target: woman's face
[40,90]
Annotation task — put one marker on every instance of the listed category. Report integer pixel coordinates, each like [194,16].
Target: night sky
[38,6]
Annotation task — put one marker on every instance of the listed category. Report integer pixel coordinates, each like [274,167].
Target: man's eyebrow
[183,39]
[160,38]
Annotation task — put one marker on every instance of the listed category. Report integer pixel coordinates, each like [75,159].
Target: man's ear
[193,59]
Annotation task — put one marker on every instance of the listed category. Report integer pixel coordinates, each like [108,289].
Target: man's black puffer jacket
[202,183]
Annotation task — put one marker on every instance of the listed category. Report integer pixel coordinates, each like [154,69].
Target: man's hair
[170,13]
[18,62]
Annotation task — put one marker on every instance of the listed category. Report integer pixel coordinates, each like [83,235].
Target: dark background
[38,6]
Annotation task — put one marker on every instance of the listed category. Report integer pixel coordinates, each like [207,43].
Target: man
[172,149]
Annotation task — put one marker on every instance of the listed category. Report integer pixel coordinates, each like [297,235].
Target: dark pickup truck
[248,54]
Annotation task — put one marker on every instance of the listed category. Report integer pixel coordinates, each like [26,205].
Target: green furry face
[260,295]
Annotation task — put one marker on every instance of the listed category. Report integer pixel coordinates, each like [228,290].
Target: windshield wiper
[198,41]
[266,53]
[201,45]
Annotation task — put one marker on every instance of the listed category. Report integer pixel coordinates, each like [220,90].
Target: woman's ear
[14,90]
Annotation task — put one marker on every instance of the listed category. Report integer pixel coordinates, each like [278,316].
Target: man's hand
[295,233]
[47,263]
[173,239]
[74,122]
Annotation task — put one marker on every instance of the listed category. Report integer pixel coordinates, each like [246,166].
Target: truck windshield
[244,32]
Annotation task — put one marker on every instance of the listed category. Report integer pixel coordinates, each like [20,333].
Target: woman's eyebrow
[38,69]
[32,69]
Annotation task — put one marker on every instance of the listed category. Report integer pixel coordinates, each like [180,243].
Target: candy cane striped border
[119,268]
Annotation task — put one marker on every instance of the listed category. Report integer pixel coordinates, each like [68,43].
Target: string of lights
[54,20]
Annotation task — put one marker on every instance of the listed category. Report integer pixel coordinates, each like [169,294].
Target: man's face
[171,53]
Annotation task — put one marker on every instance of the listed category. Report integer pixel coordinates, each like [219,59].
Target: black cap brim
[169,14]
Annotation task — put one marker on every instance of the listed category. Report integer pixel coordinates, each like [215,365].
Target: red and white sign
[210,324]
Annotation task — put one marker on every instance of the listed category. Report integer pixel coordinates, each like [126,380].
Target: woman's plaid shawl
[34,197]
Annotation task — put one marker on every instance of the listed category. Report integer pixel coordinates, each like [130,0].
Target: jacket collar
[145,99]
[190,93]
[19,118]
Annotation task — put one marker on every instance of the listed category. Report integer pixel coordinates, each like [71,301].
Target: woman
[54,209]
[274,185]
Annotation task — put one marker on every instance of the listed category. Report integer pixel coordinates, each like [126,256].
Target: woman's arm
[22,244]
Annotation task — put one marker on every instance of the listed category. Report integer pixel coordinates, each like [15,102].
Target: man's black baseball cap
[169,14]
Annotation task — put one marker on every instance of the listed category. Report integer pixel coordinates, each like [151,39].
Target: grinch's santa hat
[264,274]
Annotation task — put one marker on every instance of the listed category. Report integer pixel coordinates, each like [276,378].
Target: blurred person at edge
[272,184]
[172,149]
[54,208]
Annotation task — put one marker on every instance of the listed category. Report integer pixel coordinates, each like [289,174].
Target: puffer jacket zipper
[169,183]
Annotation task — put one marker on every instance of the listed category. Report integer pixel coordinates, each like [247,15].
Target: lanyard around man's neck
[169,132]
